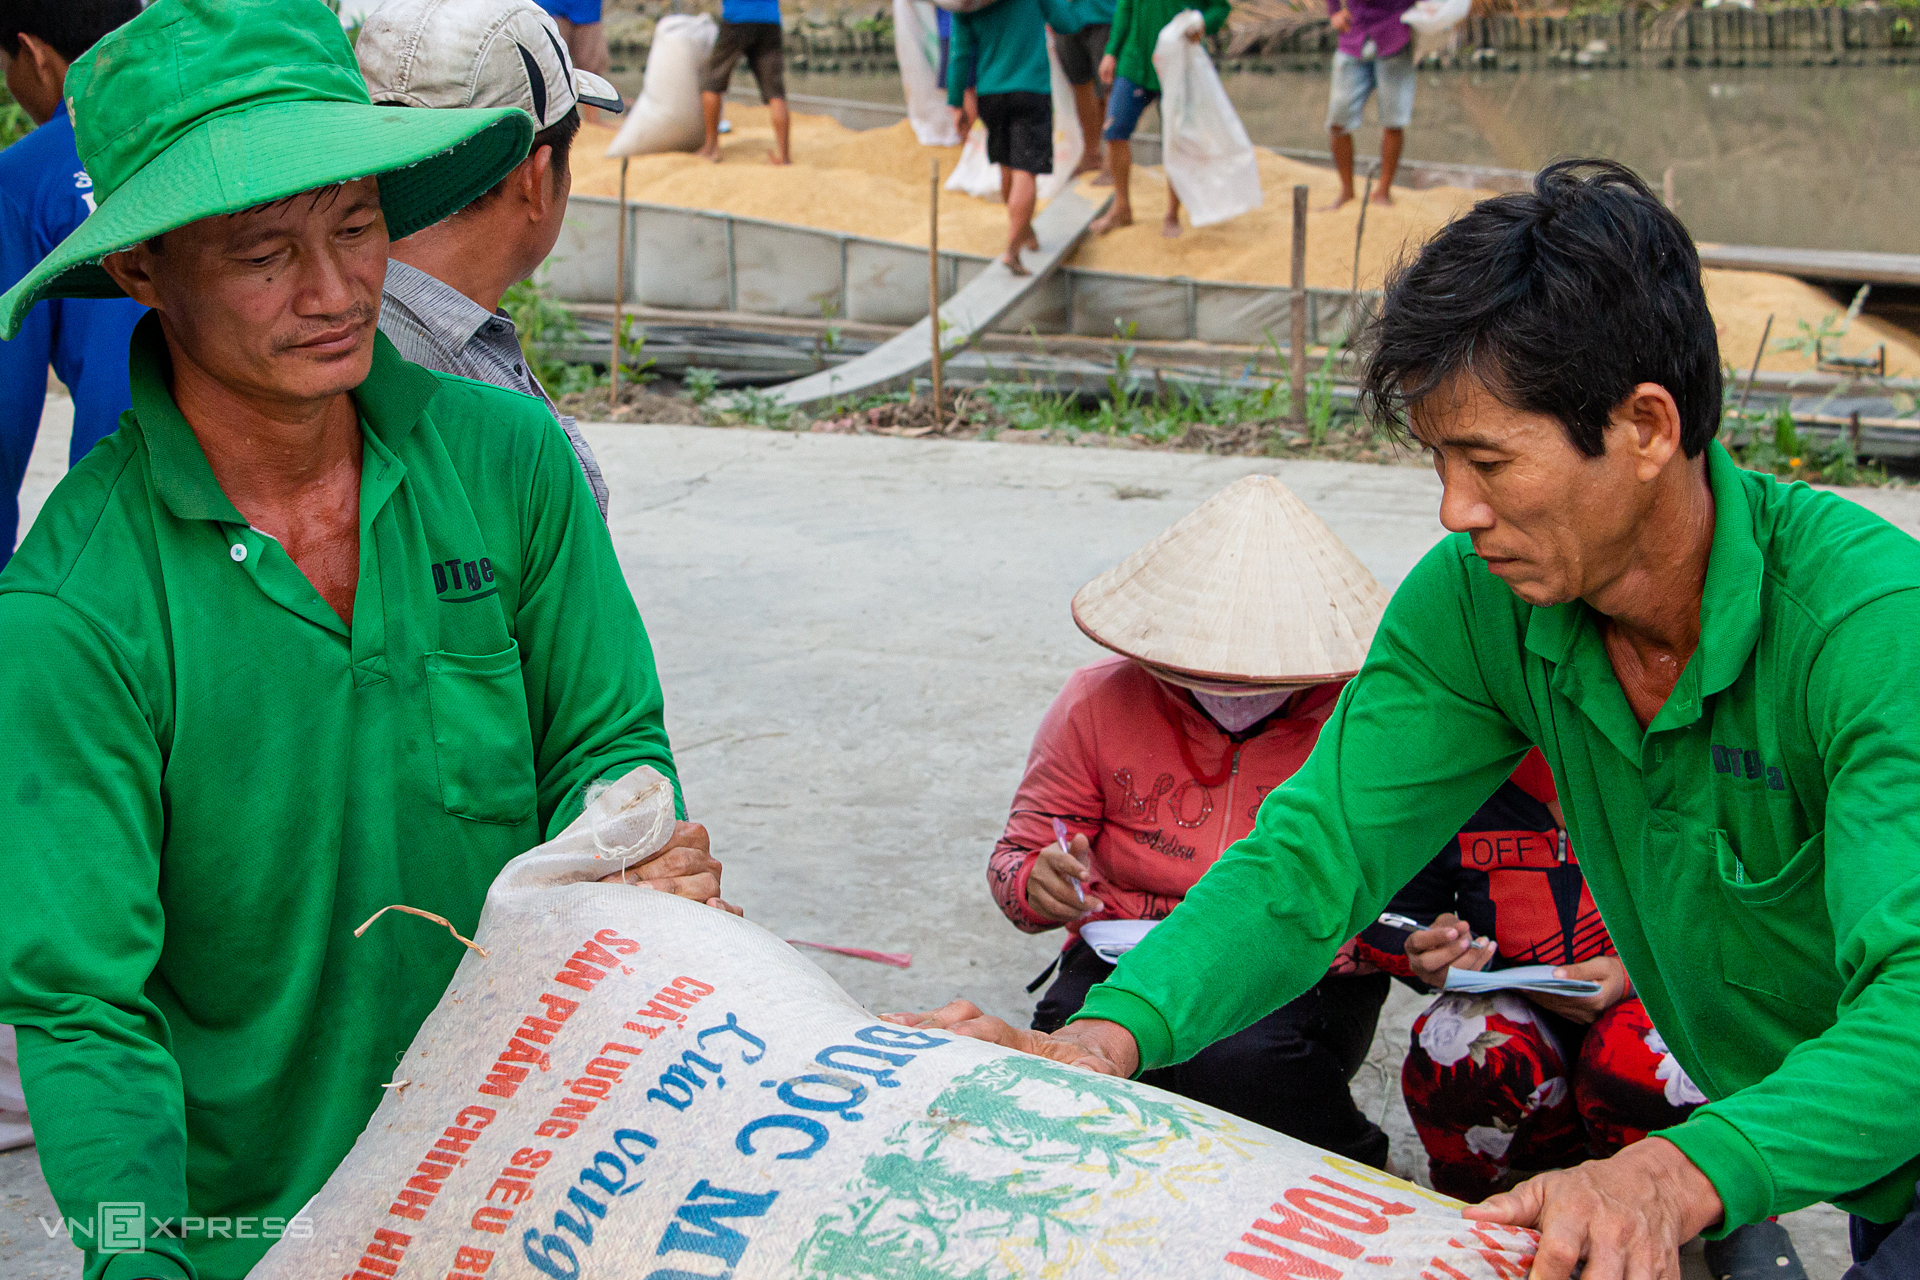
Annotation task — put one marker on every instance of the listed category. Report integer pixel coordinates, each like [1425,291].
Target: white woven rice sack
[667,116]
[1204,148]
[633,1086]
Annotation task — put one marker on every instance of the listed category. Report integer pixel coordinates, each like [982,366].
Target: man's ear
[44,79]
[534,179]
[132,270]
[1652,419]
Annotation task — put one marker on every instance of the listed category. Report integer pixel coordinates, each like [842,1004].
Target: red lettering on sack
[694,985]
[411,1204]
[504,1081]
[551,1128]
[1284,1264]
[538,1030]
[383,1253]
[625,946]
[519,1050]
[594,953]
[678,999]
[1303,1230]
[578,973]
[1341,1213]
[471,1259]
[559,1008]
[651,1033]
[654,1009]
[1389,1207]
[491,1218]
[515,1190]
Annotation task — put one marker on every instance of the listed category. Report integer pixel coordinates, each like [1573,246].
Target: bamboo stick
[1297,345]
[1748,389]
[933,276]
[619,291]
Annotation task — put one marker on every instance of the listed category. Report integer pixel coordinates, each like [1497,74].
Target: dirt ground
[857,636]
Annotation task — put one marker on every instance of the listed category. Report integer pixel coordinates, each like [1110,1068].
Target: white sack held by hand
[975,175]
[916,46]
[667,116]
[633,1085]
[1208,157]
[1437,17]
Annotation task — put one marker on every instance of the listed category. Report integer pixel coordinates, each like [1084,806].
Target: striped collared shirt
[434,325]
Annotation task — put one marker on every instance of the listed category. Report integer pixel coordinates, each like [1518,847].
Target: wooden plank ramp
[972,311]
[1841,265]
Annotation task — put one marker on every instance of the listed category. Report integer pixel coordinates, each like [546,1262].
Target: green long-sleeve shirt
[1137,24]
[1007,44]
[1755,851]
[210,781]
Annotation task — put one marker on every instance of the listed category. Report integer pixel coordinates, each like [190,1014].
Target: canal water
[1801,157]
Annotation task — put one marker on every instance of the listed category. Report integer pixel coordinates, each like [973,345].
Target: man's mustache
[358,315]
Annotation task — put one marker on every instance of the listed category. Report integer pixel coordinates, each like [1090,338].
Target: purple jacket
[1376,20]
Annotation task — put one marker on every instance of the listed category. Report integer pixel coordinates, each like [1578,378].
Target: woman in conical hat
[1234,632]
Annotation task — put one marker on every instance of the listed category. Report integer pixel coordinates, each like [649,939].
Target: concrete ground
[857,638]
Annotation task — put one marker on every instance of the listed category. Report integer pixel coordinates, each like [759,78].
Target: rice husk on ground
[874,183]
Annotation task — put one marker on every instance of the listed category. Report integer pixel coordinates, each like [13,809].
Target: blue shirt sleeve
[23,367]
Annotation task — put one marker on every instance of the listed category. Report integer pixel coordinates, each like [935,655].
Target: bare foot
[1014,266]
[711,153]
[1032,241]
[1114,217]
[1170,227]
[1383,196]
[774,157]
[1088,164]
[1340,201]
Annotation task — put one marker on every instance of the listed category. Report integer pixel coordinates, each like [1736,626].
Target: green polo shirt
[1755,851]
[209,781]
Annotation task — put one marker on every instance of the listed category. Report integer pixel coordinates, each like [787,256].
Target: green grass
[15,123]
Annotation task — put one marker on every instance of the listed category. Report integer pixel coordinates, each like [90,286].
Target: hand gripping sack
[667,116]
[631,1086]
[977,176]
[1207,155]
[1437,17]
[916,46]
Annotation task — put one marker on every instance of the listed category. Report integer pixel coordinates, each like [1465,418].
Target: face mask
[1235,712]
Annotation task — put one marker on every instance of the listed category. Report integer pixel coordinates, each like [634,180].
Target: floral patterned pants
[1499,1090]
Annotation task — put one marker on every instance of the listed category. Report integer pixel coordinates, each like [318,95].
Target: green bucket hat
[203,107]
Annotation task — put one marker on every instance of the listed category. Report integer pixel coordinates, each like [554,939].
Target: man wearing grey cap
[441,303]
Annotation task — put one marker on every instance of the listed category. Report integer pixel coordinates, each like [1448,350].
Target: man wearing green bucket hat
[315,632]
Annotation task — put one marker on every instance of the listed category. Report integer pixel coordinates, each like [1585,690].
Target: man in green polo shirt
[316,632]
[1720,669]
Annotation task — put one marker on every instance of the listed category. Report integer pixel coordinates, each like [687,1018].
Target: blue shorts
[579,12]
[1354,81]
[1124,107]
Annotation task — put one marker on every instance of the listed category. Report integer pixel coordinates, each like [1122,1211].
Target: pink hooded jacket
[1157,788]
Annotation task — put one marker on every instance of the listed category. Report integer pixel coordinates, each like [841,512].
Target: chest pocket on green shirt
[1767,944]
[481,741]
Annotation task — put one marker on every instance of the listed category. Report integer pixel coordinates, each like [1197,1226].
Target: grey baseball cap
[475,53]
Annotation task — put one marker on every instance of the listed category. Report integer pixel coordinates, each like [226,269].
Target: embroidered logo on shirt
[1161,842]
[463,581]
[1747,765]
[1147,807]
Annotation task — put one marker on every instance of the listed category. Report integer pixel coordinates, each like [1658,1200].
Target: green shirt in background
[211,781]
[1755,851]
[1007,45]
[1137,25]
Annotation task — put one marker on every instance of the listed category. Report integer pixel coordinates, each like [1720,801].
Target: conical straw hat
[1248,588]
